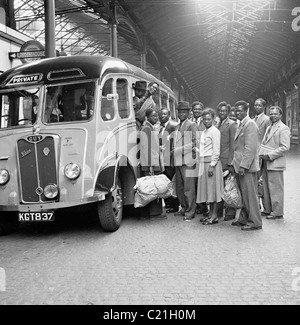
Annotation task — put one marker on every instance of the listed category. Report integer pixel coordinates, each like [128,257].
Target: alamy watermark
[296,281]
[2,280]
[296,21]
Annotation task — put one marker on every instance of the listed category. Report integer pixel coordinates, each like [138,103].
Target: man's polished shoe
[179,213]
[171,210]
[159,217]
[188,218]
[264,214]
[250,228]
[237,224]
[272,217]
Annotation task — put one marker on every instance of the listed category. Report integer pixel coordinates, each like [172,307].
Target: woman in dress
[210,180]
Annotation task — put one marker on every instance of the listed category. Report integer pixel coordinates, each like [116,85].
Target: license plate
[36,216]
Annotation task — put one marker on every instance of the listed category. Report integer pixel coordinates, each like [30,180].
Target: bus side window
[107,103]
[4,122]
[164,99]
[172,108]
[123,102]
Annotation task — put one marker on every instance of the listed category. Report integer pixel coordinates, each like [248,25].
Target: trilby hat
[142,85]
[183,105]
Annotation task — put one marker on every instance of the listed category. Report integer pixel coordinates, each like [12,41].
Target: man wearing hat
[143,100]
[185,162]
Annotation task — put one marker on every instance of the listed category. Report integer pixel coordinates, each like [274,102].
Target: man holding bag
[275,145]
[151,163]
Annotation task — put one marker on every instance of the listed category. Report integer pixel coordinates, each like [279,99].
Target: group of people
[197,150]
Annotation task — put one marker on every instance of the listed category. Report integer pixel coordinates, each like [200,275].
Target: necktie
[162,127]
[238,130]
[268,133]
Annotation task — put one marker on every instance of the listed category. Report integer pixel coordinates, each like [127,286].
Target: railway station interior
[203,50]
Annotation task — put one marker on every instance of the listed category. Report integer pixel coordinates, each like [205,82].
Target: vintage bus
[68,137]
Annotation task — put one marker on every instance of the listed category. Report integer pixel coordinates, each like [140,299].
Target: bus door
[118,129]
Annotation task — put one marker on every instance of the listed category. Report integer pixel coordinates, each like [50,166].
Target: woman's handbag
[231,195]
[150,188]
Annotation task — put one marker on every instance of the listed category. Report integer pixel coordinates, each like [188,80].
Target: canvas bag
[149,188]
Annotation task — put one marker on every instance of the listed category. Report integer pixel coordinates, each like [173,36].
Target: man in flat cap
[185,162]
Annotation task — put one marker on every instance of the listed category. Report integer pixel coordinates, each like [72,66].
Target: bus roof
[68,68]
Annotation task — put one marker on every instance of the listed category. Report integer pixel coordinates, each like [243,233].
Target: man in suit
[185,161]
[197,109]
[227,128]
[261,119]
[166,140]
[275,145]
[246,165]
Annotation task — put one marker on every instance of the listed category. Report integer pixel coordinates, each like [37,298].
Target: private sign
[25,79]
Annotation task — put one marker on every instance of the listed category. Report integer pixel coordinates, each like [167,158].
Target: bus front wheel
[110,211]
[8,223]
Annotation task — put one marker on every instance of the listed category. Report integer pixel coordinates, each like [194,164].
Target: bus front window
[19,108]
[69,103]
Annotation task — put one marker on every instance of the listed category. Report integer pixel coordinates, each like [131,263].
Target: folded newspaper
[264,150]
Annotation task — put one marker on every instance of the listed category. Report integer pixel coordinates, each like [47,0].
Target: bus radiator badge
[46,151]
[36,129]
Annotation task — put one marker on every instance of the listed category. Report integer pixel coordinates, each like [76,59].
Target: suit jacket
[245,146]
[166,139]
[227,130]
[184,142]
[278,143]
[149,148]
[200,124]
[262,122]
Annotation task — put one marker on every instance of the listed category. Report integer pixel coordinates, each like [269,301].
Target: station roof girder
[210,46]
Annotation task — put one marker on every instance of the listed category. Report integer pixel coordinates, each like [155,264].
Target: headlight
[72,171]
[51,191]
[4,176]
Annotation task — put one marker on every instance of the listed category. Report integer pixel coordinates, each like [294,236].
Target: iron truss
[217,50]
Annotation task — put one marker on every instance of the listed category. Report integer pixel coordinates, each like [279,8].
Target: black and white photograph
[149,155]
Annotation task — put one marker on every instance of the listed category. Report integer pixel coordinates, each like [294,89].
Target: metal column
[114,41]
[113,31]
[50,28]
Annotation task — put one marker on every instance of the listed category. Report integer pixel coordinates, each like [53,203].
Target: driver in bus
[53,113]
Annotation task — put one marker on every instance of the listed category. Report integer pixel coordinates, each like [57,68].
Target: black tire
[8,223]
[110,211]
